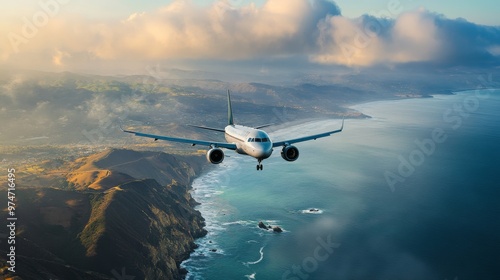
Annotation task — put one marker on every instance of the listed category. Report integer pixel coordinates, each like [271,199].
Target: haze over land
[42,108]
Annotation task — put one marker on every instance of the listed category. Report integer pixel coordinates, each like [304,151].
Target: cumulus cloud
[414,36]
[288,29]
[180,30]
[184,30]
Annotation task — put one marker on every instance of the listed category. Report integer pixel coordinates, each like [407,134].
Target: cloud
[284,29]
[184,30]
[414,36]
[58,57]
[180,30]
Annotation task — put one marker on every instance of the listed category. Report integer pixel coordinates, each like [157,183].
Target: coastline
[411,97]
[106,200]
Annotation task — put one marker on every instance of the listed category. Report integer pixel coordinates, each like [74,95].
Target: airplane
[251,141]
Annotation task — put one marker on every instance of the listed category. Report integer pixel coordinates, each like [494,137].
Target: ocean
[411,193]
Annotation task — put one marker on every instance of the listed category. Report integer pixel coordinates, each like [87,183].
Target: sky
[481,11]
[88,36]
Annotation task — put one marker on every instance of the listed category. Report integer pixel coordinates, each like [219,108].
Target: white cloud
[280,28]
[412,37]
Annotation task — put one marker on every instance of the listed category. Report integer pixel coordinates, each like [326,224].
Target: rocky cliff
[121,214]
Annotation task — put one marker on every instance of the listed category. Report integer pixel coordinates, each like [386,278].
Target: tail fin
[229,110]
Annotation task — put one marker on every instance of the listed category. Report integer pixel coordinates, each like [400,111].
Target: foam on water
[206,189]
[251,276]
[261,251]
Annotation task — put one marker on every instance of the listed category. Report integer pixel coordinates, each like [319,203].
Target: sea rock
[276,229]
[262,225]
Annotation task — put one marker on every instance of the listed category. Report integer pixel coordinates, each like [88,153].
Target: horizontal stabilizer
[207,128]
[262,126]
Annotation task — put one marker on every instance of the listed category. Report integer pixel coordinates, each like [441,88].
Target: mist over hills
[67,108]
[141,219]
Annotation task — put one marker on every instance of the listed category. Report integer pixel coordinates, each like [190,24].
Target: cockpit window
[259,140]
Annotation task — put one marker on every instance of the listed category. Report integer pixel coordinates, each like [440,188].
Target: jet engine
[290,153]
[215,155]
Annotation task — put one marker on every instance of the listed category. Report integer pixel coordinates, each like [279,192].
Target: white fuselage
[249,141]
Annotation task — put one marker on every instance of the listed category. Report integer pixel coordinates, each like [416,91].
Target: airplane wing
[193,142]
[307,138]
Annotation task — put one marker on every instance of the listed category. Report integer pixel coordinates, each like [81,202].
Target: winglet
[342,127]
[125,130]
[229,110]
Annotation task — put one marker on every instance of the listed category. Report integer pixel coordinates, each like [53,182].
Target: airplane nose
[263,152]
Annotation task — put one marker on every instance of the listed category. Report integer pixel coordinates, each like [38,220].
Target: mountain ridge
[134,223]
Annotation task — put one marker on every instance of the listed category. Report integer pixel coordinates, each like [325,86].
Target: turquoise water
[388,207]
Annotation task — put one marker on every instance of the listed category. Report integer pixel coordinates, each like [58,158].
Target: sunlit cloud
[285,29]
[58,57]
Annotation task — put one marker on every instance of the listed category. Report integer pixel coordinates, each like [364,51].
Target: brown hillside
[117,215]
[114,167]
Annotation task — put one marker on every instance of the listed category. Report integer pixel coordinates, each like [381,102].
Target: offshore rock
[262,225]
[277,229]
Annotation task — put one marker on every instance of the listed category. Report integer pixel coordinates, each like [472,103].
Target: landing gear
[260,166]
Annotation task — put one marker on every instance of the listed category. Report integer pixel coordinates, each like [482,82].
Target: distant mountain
[120,212]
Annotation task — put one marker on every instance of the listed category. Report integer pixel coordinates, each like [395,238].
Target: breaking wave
[261,251]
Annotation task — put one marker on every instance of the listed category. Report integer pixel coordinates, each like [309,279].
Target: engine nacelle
[215,155]
[290,153]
